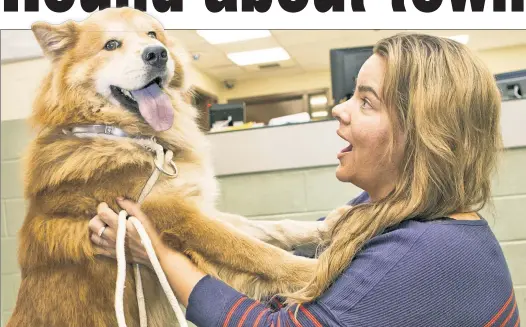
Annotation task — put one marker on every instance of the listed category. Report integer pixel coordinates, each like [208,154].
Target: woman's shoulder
[451,246]
[446,241]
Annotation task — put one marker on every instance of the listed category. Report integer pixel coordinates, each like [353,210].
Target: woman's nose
[339,113]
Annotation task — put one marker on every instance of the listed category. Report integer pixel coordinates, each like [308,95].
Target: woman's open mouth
[347,149]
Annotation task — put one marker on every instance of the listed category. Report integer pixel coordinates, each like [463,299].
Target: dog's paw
[332,218]
[334,215]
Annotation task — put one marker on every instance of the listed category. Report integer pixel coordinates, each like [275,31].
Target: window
[262,109]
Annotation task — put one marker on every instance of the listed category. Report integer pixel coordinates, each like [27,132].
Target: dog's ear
[55,39]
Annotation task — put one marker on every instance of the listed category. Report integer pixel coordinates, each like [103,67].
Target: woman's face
[364,123]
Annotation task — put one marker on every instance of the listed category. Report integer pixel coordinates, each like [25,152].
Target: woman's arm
[181,273]
[209,302]
[213,303]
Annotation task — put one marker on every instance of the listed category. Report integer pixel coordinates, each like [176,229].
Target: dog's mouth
[149,101]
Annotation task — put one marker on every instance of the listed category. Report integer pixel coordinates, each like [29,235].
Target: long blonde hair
[446,102]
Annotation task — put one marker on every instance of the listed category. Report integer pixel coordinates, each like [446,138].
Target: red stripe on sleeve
[509,315]
[234,307]
[498,314]
[244,317]
[294,320]
[256,323]
[311,317]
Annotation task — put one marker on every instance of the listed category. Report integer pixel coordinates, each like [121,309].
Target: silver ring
[176,171]
[101,231]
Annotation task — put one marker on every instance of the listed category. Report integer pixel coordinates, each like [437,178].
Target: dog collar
[97,129]
[108,131]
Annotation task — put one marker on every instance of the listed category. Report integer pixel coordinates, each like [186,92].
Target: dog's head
[117,66]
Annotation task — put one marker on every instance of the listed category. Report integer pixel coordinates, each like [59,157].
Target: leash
[161,160]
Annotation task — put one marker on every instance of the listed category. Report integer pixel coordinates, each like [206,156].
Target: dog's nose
[155,56]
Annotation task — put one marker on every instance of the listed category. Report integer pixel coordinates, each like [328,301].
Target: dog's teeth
[127,94]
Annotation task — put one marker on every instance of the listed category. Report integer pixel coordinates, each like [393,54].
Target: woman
[423,133]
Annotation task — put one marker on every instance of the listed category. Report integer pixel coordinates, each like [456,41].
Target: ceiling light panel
[230,36]
[253,57]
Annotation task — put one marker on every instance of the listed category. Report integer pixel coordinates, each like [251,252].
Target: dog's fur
[63,283]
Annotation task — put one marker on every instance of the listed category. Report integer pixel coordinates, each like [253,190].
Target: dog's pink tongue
[155,107]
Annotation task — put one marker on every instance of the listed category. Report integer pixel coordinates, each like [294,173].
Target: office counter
[315,144]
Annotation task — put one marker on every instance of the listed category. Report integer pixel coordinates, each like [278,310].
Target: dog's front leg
[286,234]
[224,246]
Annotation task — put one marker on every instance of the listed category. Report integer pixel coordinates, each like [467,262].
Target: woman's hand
[103,229]
[181,273]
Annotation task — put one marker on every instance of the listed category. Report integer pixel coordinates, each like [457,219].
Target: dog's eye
[112,45]
[153,35]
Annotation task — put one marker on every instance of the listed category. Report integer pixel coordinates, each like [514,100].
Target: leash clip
[174,167]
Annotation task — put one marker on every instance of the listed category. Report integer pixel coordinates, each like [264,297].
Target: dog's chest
[193,181]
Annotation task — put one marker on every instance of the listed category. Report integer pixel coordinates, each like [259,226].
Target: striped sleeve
[507,315]
[213,303]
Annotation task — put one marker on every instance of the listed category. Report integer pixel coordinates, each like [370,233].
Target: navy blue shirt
[437,273]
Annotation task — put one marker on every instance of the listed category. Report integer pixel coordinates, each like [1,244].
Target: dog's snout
[155,56]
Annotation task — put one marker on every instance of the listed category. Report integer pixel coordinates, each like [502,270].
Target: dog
[119,70]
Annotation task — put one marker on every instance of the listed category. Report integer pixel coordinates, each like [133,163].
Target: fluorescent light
[258,56]
[318,100]
[464,38]
[229,36]
[318,114]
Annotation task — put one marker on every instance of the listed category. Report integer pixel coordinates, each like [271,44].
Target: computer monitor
[345,66]
[232,112]
[512,85]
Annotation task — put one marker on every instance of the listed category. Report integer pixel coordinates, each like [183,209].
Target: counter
[315,144]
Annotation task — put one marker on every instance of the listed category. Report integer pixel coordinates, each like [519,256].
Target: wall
[14,137]
[506,59]
[276,85]
[302,194]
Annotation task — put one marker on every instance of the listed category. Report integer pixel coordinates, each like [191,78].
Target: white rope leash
[160,161]
[159,271]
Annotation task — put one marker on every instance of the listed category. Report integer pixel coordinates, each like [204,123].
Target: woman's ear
[55,40]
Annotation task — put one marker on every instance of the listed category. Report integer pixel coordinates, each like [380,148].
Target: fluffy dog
[119,69]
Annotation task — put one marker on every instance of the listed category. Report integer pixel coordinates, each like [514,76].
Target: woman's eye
[112,45]
[365,104]
[153,35]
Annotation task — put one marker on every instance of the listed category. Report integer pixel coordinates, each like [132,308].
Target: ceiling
[308,49]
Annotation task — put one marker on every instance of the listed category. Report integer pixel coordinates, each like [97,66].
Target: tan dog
[118,68]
